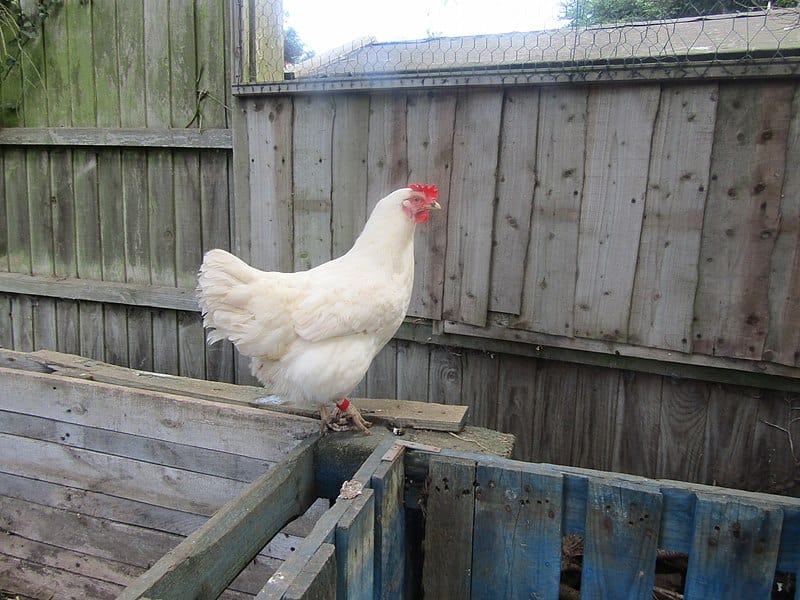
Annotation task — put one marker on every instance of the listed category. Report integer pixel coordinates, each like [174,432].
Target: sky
[326,24]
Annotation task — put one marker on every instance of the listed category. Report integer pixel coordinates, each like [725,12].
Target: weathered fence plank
[317,580]
[516,181]
[355,549]
[619,128]
[666,272]
[741,219]
[551,265]
[387,147]
[471,206]
[388,483]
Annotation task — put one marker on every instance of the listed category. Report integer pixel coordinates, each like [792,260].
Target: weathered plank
[552,257]
[115,137]
[446,572]
[666,272]
[783,337]
[205,424]
[682,430]
[596,409]
[636,441]
[622,524]
[471,206]
[317,581]
[430,121]
[312,132]
[553,430]
[618,134]
[387,151]
[38,581]
[213,555]
[412,369]
[734,549]
[390,529]
[444,375]
[479,385]
[381,378]
[516,181]
[349,171]
[741,219]
[516,547]
[516,402]
[269,122]
[355,549]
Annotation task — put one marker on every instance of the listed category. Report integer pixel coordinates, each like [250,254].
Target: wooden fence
[614,278]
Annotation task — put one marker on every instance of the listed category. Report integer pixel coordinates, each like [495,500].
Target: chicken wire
[733,37]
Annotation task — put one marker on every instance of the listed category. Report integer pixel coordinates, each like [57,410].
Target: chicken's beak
[434,206]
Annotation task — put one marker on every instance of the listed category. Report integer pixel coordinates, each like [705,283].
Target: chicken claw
[345,417]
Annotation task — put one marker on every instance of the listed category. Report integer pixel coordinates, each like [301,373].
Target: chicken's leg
[345,417]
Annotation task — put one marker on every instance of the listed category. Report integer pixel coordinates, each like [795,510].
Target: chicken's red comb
[430,191]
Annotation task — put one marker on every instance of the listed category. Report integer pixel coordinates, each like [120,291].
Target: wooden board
[516,548]
[388,483]
[448,546]
[355,547]
[677,185]
[618,134]
[741,219]
[552,256]
[621,540]
[471,209]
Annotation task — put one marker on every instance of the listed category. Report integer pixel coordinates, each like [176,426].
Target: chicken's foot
[345,417]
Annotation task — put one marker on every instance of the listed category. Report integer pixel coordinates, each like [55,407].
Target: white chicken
[312,335]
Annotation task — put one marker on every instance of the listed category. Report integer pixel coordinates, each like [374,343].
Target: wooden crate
[99,481]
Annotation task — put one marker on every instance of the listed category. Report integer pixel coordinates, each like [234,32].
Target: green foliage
[593,12]
[20,22]
[294,50]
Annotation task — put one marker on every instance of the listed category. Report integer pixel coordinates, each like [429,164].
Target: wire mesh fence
[600,39]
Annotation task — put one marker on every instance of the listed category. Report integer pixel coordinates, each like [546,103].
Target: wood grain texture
[621,541]
[677,185]
[741,219]
[516,548]
[446,572]
[783,344]
[471,210]
[387,147]
[430,121]
[636,441]
[355,549]
[682,430]
[311,202]
[381,378]
[551,262]
[390,530]
[516,402]
[734,549]
[618,134]
[516,181]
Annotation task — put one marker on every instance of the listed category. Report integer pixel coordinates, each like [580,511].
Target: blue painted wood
[390,530]
[516,548]
[677,520]
[355,549]
[449,528]
[619,551]
[734,549]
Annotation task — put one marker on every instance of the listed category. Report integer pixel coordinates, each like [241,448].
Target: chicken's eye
[416,200]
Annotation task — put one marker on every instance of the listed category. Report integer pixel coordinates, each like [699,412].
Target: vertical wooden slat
[479,387]
[783,337]
[516,548]
[444,375]
[551,264]
[618,134]
[682,430]
[622,525]
[269,122]
[19,249]
[773,468]
[596,409]
[636,444]
[666,272]
[355,544]
[390,530]
[516,180]
[387,154]
[734,550]
[348,171]
[6,335]
[412,371]
[159,189]
[311,157]
[516,402]
[555,401]
[382,374]
[741,219]
[730,427]
[317,580]
[446,572]
[431,117]
[471,210]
